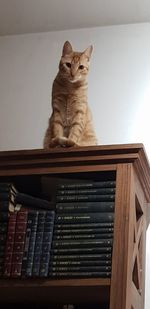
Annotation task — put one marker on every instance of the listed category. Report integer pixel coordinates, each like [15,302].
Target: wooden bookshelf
[129,166]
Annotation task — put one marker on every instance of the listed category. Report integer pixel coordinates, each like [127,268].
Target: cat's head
[74,66]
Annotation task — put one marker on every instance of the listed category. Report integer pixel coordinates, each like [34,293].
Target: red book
[19,241]
[9,244]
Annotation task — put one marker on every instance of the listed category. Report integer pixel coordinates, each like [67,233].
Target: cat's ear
[88,51]
[67,49]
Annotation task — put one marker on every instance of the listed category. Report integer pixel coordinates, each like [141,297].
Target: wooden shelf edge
[54,283]
[46,291]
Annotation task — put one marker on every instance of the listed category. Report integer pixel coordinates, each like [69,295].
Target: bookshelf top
[77,159]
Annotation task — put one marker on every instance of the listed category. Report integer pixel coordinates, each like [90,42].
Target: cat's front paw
[61,142]
[70,143]
[58,142]
[54,142]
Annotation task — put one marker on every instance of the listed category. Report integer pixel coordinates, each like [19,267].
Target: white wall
[119,86]
[119,83]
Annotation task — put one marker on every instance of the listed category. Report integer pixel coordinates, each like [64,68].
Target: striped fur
[70,123]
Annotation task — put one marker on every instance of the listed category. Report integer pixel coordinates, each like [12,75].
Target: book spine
[85,231]
[86,191]
[19,241]
[83,236]
[47,243]
[93,225]
[9,244]
[87,274]
[84,198]
[95,250]
[82,243]
[94,184]
[33,221]
[26,245]
[31,201]
[82,263]
[81,257]
[80,268]
[3,238]
[85,207]
[38,244]
[84,218]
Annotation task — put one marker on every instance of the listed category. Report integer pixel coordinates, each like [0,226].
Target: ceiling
[30,16]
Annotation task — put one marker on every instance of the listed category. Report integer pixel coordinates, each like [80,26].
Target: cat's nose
[73,72]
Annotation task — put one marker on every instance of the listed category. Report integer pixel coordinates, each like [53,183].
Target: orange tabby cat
[71,122]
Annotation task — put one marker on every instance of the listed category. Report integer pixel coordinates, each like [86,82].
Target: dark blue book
[84,218]
[89,184]
[29,254]
[84,231]
[80,263]
[88,191]
[66,207]
[32,202]
[82,243]
[80,268]
[81,250]
[80,274]
[83,236]
[86,198]
[38,244]
[47,243]
[83,226]
[80,257]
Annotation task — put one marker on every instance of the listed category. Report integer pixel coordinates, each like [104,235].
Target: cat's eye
[68,64]
[81,67]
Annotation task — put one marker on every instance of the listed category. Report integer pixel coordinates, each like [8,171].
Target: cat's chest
[69,110]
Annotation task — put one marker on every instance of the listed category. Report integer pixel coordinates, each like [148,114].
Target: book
[88,191]
[28,256]
[80,231]
[85,198]
[81,250]
[47,243]
[66,207]
[93,184]
[84,218]
[19,241]
[3,238]
[81,263]
[8,193]
[82,225]
[82,243]
[38,244]
[33,202]
[29,225]
[80,257]
[9,246]
[83,236]
[86,274]
[80,268]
